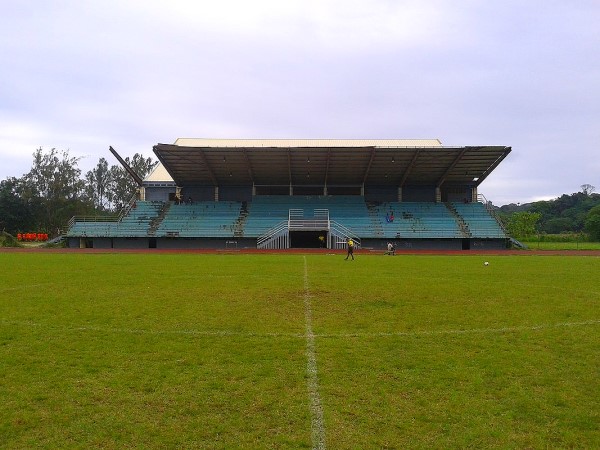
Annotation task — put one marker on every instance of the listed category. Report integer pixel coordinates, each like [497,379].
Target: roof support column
[474,194]
[438,194]
[399,193]
[216,193]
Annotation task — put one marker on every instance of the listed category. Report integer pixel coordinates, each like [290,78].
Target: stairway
[375,219]
[462,225]
[156,221]
[240,222]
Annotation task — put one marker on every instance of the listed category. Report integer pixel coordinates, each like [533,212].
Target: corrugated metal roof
[305,143]
[246,162]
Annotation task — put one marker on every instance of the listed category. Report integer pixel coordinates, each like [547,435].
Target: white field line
[225,333]
[465,331]
[316,408]
[207,333]
[23,286]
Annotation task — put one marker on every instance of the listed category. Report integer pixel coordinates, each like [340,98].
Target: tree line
[575,214]
[55,189]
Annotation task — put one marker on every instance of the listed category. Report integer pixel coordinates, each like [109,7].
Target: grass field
[298,351]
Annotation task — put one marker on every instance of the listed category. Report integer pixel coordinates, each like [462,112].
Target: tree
[97,184]
[15,214]
[587,189]
[522,225]
[122,187]
[559,225]
[53,189]
[592,223]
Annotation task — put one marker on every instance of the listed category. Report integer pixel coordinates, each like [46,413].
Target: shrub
[8,240]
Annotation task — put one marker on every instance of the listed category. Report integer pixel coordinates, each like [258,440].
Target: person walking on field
[350,245]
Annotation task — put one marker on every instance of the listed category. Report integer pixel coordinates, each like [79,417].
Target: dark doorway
[152,243]
[466,244]
[307,239]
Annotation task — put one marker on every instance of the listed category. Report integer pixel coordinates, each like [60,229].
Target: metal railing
[339,235]
[488,207]
[319,220]
[125,210]
[276,237]
[279,236]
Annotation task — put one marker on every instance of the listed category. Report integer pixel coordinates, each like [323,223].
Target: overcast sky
[81,75]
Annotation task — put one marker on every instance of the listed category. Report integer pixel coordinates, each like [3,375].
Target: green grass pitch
[298,351]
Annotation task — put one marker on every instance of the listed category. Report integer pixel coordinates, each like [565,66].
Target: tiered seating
[267,211]
[481,224]
[134,224]
[423,220]
[137,220]
[418,220]
[351,212]
[200,219]
[264,212]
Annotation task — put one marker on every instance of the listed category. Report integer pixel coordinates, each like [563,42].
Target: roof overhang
[326,162]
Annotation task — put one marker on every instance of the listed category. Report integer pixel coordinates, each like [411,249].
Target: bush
[8,240]
[592,223]
[562,237]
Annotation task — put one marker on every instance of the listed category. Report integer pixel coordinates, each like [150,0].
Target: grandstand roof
[332,162]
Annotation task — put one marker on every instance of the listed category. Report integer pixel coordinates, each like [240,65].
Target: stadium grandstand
[279,194]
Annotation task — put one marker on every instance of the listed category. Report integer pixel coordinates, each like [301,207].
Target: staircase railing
[276,237]
[125,210]
[279,236]
[488,207]
[319,220]
[156,221]
[462,225]
[339,235]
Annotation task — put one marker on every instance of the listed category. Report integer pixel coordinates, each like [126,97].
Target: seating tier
[480,222]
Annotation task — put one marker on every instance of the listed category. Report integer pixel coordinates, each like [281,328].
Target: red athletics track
[305,251]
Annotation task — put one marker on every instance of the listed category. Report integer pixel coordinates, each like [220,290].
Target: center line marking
[316,408]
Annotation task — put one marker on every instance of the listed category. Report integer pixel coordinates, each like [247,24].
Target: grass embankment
[575,245]
[209,351]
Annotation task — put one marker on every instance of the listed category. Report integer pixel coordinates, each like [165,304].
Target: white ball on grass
[486,263]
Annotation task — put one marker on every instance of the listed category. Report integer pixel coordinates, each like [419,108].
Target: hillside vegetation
[573,214]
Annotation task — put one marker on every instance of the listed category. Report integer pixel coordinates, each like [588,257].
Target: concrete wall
[457,194]
[204,243]
[418,194]
[133,243]
[199,193]
[381,193]
[103,243]
[488,244]
[159,194]
[235,193]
